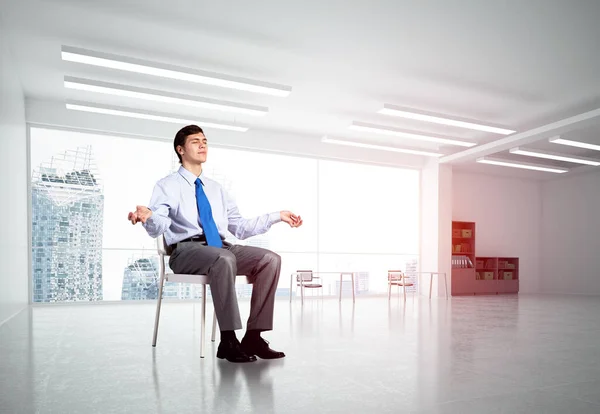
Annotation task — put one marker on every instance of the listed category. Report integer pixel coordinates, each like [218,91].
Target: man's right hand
[141,213]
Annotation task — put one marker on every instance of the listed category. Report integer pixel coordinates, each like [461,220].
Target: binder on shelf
[461,262]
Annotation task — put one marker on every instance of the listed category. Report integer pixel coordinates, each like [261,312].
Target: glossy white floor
[493,354]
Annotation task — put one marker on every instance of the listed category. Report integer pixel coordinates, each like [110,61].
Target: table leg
[430,284]
[446,285]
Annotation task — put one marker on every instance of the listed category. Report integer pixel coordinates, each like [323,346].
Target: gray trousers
[260,266]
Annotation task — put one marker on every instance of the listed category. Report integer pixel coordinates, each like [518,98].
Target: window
[357,217]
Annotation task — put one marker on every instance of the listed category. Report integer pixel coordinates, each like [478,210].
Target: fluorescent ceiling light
[523,165]
[107,60]
[379,147]
[152,116]
[160,96]
[404,113]
[554,156]
[559,140]
[378,129]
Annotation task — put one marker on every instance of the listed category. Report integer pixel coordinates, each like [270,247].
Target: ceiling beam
[526,137]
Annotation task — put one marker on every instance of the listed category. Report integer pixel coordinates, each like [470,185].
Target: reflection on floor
[513,354]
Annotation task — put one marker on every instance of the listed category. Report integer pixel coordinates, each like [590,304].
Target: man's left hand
[291,219]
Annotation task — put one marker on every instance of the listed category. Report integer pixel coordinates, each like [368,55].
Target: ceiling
[516,64]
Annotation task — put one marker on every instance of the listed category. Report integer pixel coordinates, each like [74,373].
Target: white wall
[507,213]
[570,252]
[14,285]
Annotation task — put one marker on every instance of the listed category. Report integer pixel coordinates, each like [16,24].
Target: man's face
[195,148]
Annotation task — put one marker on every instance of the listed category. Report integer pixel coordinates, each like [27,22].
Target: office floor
[494,354]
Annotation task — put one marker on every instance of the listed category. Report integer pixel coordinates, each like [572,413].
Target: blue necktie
[206,218]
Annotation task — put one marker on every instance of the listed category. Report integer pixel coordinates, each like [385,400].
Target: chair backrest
[163,250]
[395,275]
[306,275]
[161,246]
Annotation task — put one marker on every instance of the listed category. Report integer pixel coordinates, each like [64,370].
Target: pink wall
[570,248]
[507,213]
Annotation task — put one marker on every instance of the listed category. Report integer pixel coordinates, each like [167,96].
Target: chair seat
[310,285]
[401,283]
[180,278]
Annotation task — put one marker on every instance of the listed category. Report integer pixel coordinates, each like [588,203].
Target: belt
[200,238]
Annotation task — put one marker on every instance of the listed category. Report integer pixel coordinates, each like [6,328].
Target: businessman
[194,213]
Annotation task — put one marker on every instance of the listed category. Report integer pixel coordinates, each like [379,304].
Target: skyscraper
[140,282]
[140,279]
[67,218]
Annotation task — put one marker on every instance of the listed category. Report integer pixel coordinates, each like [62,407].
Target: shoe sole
[220,356]
[270,357]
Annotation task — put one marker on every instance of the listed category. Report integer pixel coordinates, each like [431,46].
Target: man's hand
[141,213]
[291,219]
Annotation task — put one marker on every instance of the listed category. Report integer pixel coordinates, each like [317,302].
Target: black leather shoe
[231,351]
[260,348]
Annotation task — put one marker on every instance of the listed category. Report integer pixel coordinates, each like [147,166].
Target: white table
[342,274]
[431,274]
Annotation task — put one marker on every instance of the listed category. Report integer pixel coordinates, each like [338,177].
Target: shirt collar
[190,177]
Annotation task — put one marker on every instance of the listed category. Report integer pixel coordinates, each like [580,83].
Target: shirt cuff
[150,225]
[274,217]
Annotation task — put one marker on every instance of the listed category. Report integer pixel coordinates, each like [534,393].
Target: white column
[436,225]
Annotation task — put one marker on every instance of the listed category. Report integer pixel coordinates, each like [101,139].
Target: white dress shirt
[175,212]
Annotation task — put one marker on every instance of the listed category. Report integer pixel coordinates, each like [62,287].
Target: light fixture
[107,60]
[152,116]
[328,140]
[554,156]
[523,165]
[404,113]
[578,144]
[161,96]
[384,130]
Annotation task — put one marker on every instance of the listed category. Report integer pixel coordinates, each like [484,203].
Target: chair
[164,250]
[305,279]
[398,278]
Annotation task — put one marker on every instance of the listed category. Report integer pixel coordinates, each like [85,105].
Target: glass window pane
[122,174]
[371,271]
[368,209]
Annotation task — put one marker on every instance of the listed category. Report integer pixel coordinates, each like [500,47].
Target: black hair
[181,136]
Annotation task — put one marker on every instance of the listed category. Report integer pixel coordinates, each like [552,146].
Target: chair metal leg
[291,278]
[353,295]
[341,282]
[214,328]
[203,321]
[404,289]
[389,291]
[158,304]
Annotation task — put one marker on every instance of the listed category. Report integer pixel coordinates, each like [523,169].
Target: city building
[67,205]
